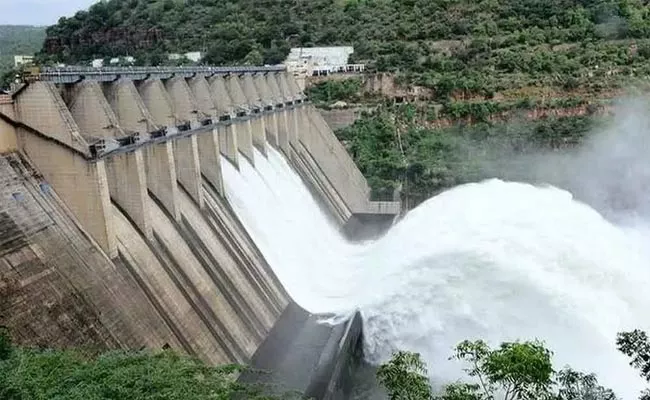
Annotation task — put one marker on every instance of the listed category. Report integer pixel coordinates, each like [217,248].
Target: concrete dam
[115,230]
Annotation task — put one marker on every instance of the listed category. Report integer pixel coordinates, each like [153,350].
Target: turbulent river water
[494,260]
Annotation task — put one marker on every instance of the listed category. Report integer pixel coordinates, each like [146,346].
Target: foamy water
[493,260]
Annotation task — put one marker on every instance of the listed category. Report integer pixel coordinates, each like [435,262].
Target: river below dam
[494,260]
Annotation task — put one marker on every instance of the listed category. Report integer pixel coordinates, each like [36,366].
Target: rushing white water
[493,260]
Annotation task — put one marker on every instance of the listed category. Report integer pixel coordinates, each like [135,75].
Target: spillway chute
[495,260]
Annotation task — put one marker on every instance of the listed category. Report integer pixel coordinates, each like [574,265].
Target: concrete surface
[57,288]
[228,142]
[188,167]
[129,107]
[182,99]
[8,141]
[158,102]
[92,112]
[210,159]
[244,131]
[220,95]
[83,186]
[204,100]
[161,177]
[204,286]
[127,183]
[235,91]
[41,107]
[307,356]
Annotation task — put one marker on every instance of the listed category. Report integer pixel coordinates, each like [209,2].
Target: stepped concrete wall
[8,140]
[56,287]
[135,167]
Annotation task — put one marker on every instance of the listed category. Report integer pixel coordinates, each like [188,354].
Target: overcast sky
[39,12]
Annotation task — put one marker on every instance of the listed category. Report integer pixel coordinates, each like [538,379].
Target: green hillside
[483,61]
[18,40]
[477,47]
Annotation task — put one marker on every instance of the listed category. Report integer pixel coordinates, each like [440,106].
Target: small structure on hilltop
[303,62]
[192,56]
[20,60]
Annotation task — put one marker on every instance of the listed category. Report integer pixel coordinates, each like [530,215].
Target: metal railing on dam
[73,74]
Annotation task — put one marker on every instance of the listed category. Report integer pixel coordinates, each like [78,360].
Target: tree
[513,371]
[635,344]
[405,377]
[462,391]
[522,370]
[576,385]
[254,57]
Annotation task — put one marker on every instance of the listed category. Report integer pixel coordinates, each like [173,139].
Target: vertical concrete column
[293,128]
[272,127]
[245,138]
[227,136]
[283,130]
[161,176]
[128,106]
[258,128]
[188,167]
[158,102]
[127,183]
[99,220]
[210,159]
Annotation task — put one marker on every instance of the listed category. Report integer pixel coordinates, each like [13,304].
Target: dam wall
[135,245]
[8,141]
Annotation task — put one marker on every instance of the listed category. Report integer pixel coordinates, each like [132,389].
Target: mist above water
[495,260]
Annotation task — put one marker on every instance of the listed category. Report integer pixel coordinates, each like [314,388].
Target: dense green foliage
[17,40]
[394,151]
[405,376]
[485,62]
[36,374]
[513,371]
[520,370]
[636,345]
[482,46]
[335,90]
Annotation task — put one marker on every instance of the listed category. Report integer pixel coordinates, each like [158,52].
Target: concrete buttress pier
[161,176]
[241,106]
[182,99]
[129,107]
[254,100]
[209,156]
[204,100]
[188,167]
[127,182]
[158,102]
[114,197]
[92,112]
